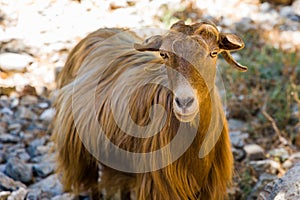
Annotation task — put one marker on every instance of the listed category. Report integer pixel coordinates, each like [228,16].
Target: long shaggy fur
[108,64]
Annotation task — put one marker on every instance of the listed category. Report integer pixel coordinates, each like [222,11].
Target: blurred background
[263,104]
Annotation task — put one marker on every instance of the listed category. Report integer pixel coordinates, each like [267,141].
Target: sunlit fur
[189,177]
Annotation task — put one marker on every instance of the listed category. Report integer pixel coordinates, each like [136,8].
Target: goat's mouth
[185,117]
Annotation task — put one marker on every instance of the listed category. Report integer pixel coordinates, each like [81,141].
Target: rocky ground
[35,39]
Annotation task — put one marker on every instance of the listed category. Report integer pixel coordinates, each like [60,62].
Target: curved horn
[227,56]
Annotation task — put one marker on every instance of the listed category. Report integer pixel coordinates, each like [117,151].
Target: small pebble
[19,194]
[254,152]
[18,170]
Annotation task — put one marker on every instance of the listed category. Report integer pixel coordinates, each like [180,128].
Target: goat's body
[107,64]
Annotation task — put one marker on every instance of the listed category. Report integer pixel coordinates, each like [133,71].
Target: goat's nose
[184,102]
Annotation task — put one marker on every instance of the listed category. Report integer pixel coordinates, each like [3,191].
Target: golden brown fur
[189,177]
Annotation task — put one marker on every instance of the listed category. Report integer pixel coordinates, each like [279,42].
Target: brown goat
[111,132]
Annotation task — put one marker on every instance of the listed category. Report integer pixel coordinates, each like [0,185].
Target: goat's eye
[214,53]
[163,55]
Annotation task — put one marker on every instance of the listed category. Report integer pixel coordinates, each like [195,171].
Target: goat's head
[190,54]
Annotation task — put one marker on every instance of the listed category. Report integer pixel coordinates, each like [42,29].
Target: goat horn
[230,60]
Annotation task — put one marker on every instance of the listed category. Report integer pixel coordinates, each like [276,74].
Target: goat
[111,132]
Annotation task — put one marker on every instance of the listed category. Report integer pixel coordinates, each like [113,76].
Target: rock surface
[18,170]
[254,152]
[287,187]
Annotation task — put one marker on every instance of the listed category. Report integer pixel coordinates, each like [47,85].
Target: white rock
[285,11]
[14,61]
[43,105]
[296,7]
[254,151]
[15,102]
[25,113]
[20,194]
[48,114]
[4,195]
[6,111]
[287,164]
[268,165]
[265,7]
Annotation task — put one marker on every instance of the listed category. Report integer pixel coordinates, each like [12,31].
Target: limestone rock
[14,61]
[287,187]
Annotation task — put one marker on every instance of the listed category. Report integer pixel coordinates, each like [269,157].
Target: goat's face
[190,54]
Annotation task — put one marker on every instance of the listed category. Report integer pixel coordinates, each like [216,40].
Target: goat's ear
[230,42]
[150,44]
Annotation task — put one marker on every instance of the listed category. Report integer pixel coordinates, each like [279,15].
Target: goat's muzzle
[185,104]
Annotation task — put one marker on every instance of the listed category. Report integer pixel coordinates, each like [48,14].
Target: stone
[260,184]
[269,166]
[14,103]
[3,127]
[7,183]
[43,169]
[8,138]
[4,195]
[48,157]
[26,113]
[50,184]
[227,22]
[2,167]
[238,154]
[254,152]
[14,61]
[245,24]
[295,156]
[29,100]
[20,153]
[18,170]
[281,154]
[43,105]
[236,125]
[286,11]
[40,150]
[33,194]
[48,114]
[7,111]
[296,7]
[287,164]
[286,187]
[19,194]
[15,127]
[32,148]
[38,194]
[265,7]
[237,138]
